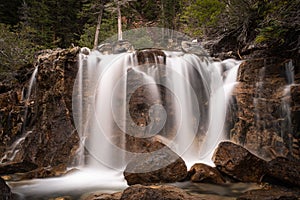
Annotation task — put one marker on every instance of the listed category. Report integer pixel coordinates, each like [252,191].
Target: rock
[267,113]
[273,193]
[5,193]
[282,171]
[205,174]
[160,192]
[239,163]
[21,167]
[103,196]
[37,132]
[159,166]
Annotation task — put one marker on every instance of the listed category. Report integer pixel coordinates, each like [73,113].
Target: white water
[286,127]
[13,150]
[100,103]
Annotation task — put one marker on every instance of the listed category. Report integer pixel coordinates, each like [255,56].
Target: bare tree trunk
[120,37]
[99,20]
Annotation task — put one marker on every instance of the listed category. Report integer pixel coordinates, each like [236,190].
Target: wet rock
[282,171]
[161,192]
[103,196]
[21,167]
[268,112]
[239,163]
[37,130]
[273,193]
[205,174]
[5,193]
[159,166]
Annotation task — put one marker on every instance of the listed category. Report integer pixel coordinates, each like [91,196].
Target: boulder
[159,166]
[5,192]
[237,162]
[282,171]
[205,174]
[160,192]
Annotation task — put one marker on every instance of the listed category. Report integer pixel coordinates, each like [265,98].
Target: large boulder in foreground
[239,163]
[159,166]
[203,173]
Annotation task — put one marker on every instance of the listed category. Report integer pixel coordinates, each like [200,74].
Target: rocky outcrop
[268,107]
[159,166]
[37,130]
[239,163]
[205,174]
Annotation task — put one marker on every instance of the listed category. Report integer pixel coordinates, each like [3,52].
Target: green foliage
[280,23]
[108,28]
[16,48]
[9,11]
[201,15]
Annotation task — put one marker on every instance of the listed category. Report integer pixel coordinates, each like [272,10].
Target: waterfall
[106,84]
[13,150]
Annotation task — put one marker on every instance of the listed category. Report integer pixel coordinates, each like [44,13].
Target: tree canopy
[37,24]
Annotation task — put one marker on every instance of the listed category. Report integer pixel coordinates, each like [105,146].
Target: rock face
[37,130]
[159,166]
[268,107]
[205,174]
[239,163]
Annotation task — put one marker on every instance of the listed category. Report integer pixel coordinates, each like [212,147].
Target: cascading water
[286,127]
[175,97]
[13,150]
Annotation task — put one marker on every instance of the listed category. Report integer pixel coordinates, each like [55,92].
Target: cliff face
[267,107]
[37,131]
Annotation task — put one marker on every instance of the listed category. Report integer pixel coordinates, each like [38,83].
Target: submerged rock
[239,163]
[159,166]
[205,174]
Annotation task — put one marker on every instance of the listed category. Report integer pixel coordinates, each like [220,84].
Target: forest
[29,26]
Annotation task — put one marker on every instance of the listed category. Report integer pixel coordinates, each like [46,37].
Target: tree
[116,7]
[99,20]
